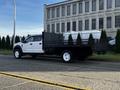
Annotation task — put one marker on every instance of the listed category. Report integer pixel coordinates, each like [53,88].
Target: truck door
[37,44]
[27,45]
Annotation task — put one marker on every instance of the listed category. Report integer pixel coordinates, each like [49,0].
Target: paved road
[87,74]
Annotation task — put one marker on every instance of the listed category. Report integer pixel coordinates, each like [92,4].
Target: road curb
[46,82]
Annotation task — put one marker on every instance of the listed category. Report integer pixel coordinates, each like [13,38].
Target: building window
[74,26]
[63,10]
[68,10]
[74,8]
[53,12]
[68,26]
[53,28]
[86,24]
[101,4]
[80,25]
[117,21]
[117,3]
[109,4]
[58,12]
[48,13]
[87,6]
[63,27]
[109,22]
[101,23]
[93,5]
[48,28]
[80,7]
[93,24]
[58,27]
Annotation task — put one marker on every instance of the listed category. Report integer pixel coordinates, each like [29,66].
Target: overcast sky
[29,16]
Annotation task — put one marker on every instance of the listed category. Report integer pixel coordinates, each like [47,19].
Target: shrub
[0,43]
[7,42]
[78,40]
[70,40]
[3,45]
[117,47]
[17,39]
[23,38]
[103,38]
[91,41]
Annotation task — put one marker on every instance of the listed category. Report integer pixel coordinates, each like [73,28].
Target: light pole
[14,21]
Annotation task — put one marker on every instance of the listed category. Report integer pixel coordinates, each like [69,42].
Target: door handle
[30,43]
[40,43]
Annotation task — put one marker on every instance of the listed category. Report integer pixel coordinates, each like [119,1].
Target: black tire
[17,53]
[34,56]
[66,56]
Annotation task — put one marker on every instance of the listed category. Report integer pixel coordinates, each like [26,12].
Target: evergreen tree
[118,41]
[23,38]
[3,43]
[70,40]
[103,38]
[78,41]
[91,41]
[17,39]
[0,42]
[7,42]
[103,44]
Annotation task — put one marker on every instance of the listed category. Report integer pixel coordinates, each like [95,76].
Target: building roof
[60,3]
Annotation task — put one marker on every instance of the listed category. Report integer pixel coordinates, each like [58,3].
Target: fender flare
[18,47]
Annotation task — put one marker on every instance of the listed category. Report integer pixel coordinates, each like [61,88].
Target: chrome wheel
[66,56]
[17,54]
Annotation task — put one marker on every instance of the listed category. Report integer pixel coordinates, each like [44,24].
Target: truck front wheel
[17,54]
[67,56]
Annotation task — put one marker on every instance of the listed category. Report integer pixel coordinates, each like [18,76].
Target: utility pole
[14,21]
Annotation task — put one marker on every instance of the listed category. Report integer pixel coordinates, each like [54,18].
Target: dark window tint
[74,26]
[101,23]
[68,26]
[37,38]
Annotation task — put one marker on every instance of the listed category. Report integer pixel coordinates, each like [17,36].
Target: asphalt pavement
[96,75]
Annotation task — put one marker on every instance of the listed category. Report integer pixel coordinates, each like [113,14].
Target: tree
[103,38]
[0,42]
[17,39]
[7,42]
[3,43]
[70,40]
[117,47]
[103,44]
[23,38]
[78,40]
[91,41]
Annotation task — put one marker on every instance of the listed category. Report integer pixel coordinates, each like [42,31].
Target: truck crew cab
[53,44]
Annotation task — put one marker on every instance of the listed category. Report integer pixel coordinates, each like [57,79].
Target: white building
[80,15]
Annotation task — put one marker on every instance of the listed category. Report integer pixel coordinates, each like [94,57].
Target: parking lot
[12,83]
[95,75]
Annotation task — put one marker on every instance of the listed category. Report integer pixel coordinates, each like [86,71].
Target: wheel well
[17,47]
[66,51]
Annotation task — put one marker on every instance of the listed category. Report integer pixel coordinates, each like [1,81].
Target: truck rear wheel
[17,54]
[67,56]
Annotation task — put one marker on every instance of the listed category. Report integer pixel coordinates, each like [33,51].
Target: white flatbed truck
[55,44]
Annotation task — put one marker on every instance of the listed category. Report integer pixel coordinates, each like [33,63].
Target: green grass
[6,52]
[105,57]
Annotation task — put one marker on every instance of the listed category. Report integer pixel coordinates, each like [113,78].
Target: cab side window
[37,38]
[30,39]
